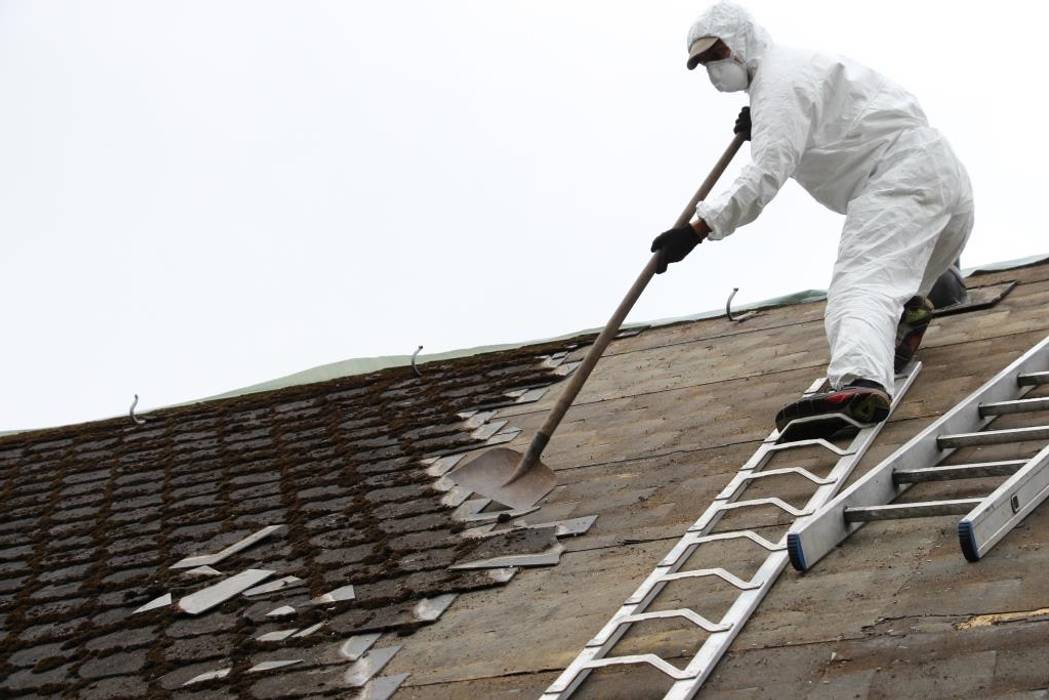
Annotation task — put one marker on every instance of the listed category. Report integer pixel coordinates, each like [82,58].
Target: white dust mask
[728,75]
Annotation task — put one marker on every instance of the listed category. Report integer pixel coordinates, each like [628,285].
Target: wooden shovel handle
[579,377]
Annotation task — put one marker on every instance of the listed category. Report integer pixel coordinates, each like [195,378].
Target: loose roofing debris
[259,546]
[95,516]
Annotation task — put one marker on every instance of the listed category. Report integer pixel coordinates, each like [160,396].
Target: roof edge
[364,365]
[346,368]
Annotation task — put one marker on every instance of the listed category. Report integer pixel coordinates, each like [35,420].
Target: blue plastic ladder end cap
[797,557]
[968,540]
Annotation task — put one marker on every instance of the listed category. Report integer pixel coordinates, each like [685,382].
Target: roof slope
[94,516]
[662,425]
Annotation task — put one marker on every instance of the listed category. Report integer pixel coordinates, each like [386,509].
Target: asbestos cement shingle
[93,516]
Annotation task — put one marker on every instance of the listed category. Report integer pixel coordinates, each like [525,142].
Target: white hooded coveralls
[861,146]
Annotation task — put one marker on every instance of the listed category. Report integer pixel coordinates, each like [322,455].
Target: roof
[331,480]
[94,516]
[662,425]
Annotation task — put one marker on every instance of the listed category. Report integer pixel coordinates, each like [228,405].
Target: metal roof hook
[739,318]
[414,355]
[135,419]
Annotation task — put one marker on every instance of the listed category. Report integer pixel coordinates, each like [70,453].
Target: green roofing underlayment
[363,365]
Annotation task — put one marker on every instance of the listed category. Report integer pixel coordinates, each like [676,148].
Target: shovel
[519,481]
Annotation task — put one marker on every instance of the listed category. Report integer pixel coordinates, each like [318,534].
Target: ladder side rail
[1005,507]
[809,543]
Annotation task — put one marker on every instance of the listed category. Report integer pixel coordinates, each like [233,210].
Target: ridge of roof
[365,365]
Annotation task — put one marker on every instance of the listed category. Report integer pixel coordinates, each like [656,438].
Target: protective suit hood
[731,23]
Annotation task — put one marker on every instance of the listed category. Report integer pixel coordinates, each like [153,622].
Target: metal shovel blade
[489,473]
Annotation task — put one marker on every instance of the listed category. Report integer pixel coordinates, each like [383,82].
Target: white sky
[197,196]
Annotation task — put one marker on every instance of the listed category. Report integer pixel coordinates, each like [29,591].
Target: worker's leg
[887,244]
[888,240]
[948,249]
[890,243]
[949,289]
[939,276]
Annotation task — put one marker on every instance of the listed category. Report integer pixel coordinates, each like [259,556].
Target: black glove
[743,123]
[675,244]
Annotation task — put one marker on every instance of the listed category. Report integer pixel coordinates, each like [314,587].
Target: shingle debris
[207,598]
[209,559]
[322,487]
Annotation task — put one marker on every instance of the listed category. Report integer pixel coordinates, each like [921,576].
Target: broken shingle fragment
[532,395]
[443,465]
[370,664]
[383,687]
[343,593]
[209,676]
[158,602]
[355,647]
[572,527]
[523,547]
[274,586]
[308,630]
[276,636]
[504,436]
[203,571]
[207,598]
[429,609]
[272,665]
[210,559]
[282,611]
[547,558]
[488,430]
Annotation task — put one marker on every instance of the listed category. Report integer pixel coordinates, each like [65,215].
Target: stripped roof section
[94,516]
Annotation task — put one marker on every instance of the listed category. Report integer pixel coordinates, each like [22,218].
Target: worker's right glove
[674,245]
[743,123]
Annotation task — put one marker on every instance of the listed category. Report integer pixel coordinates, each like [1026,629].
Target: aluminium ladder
[687,681]
[988,519]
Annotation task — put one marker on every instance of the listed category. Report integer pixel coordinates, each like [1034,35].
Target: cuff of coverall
[707,213]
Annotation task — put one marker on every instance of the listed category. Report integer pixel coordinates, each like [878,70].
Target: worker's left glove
[674,245]
[743,123]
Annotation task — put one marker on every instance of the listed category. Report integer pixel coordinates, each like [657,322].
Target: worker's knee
[873,298]
[871,306]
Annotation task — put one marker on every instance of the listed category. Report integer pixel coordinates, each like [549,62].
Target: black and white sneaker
[862,401]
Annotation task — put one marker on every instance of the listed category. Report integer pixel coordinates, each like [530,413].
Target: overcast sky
[197,196]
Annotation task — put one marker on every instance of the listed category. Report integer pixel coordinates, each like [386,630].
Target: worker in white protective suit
[861,146]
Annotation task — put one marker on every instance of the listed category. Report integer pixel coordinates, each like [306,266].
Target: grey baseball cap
[699,46]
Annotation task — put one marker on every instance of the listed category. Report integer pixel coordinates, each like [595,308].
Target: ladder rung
[993,437]
[683,613]
[893,511]
[958,471]
[1033,379]
[1018,406]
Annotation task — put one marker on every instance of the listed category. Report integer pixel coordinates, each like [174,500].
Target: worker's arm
[783,113]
